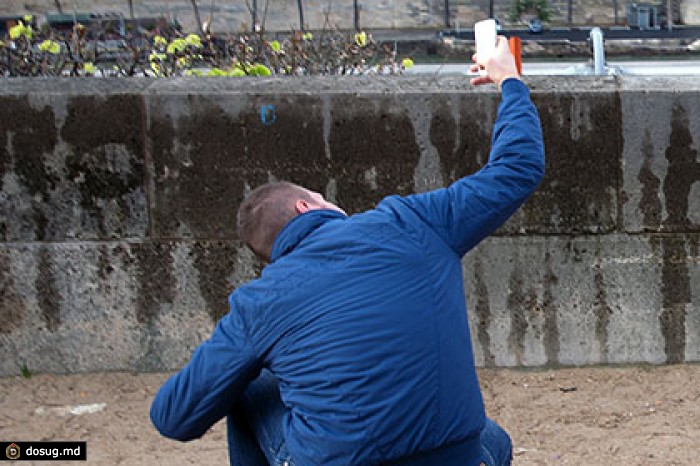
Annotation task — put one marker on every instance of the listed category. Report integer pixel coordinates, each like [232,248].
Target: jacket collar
[299,228]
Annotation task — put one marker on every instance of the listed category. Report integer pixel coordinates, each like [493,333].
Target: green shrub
[538,8]
[167,51]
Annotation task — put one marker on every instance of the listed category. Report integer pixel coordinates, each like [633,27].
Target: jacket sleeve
[206,389]
[474,206]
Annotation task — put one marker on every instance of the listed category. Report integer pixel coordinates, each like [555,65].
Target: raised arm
[474,206]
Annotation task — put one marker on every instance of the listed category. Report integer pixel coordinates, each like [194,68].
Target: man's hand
[499,66]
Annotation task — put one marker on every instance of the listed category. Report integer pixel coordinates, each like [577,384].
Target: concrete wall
[282,15]
[690,11]
[117,202]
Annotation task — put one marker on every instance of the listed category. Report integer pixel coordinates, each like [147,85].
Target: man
[358,325]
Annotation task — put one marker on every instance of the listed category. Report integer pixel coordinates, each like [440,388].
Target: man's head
[268,208]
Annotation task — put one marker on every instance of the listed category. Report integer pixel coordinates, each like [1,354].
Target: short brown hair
[265,211]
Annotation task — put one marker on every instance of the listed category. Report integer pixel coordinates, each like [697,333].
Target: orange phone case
[516,48]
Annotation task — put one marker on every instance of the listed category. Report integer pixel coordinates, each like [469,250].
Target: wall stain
[215,261]
[517,303]
[575,252]
[156,279]
[459,158]
[483,313]
[694,241]
[48,297]
[103,183]
[676,293]
[293,148]
[602,312]
[683,170]
[551,318]
[105,262]
[88,116]
[650,203]
[204,160]
[30,134]
[13,310]
[33,134]
[122,253]
[525,307]
[368,133]
[577,194]
[151,357]
[166,200]
[198,166]
[106,166]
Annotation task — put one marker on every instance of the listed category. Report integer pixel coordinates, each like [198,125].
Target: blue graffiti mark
[267,114]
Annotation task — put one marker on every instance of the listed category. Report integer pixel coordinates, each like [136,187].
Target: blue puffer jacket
[363,318]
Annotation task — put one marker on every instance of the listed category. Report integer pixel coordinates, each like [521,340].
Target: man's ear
[302,206]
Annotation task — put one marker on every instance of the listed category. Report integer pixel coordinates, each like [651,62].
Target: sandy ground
[584,416]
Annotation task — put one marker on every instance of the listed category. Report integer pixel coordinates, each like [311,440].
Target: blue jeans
[256,434]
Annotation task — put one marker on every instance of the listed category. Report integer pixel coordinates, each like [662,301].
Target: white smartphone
[485,38]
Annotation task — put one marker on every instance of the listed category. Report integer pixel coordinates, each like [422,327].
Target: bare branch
[196,15]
